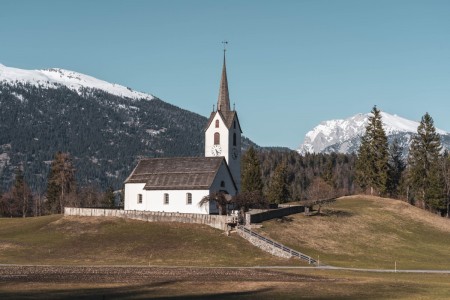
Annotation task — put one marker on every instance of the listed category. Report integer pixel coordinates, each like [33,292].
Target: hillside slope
[105,127]
[57,240]
[368,232]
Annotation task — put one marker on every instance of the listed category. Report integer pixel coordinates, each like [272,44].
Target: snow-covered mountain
[343,135]
[52,78]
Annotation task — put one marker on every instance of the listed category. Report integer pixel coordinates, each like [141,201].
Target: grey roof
[177,173]
[223,101]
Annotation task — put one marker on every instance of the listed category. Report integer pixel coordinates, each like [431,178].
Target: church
[178,184]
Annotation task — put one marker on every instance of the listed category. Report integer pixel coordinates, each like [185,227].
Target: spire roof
[223,102]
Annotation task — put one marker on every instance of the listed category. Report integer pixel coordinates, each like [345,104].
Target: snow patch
[338,134]
[52,78]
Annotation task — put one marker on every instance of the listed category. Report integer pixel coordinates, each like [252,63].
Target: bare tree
[221,199]
[320,190]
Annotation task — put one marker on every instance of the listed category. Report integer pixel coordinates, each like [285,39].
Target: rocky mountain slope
[343,135]
[105,127]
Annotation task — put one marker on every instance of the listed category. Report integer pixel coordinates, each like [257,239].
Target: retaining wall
[259,217]
[263,245]
[219,222]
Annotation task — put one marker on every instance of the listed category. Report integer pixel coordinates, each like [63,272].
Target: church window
[166,198]
[188,198]
[234,124]
[139,198]
[222,183]
[216,138]
[217,123]
[234,139]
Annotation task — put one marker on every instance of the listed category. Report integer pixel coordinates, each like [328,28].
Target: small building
[179,184]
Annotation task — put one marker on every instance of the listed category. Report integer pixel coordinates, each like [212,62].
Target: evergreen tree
[61,182]
[109,198]
[424,174]
[251,172]
[278,188]
[446,174]
[396,166]
[372,162]
[21,195]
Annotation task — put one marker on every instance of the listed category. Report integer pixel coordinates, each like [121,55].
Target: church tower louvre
[223,131]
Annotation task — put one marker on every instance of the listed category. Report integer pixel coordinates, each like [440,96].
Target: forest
[98,138]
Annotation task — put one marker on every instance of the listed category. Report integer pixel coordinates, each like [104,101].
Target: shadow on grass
[332,213]
[144,291]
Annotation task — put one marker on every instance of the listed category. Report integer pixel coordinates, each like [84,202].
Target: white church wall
[235,163]
[223,176]
[154,200]
[177,201]
[224,138]
[132,190]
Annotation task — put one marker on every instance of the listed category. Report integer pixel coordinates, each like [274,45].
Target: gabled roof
[177,173]
[227,117]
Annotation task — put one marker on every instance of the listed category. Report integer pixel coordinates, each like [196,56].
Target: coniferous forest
[91,140]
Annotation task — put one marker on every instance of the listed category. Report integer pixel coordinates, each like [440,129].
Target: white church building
[178,184]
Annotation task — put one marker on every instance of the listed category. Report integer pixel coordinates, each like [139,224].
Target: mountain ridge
[105,127]
[343,135]
[71,79]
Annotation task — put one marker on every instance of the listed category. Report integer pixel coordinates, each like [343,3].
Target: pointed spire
[223,103]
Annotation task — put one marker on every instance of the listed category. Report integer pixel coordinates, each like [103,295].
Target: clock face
[234,153]
[216,150]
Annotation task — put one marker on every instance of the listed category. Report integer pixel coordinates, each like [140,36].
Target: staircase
[271,246]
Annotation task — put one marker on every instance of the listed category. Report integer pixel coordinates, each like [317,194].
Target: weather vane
[225,43]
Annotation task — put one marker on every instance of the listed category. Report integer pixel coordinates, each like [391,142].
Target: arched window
[216,138]
[234,139]
[222,183]
[217,123]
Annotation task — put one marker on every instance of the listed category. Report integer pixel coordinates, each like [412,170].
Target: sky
[290,64]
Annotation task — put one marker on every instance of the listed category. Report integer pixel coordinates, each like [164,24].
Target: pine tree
[61,182]
[109,198]
[396,166]
[446,174]
[372,162]
[21,194]
[278,188]
[424,174]
[251,172]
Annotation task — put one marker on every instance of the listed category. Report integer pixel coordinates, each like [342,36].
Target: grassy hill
[368,232]
[112,241]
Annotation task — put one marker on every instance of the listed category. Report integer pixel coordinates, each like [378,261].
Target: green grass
[368,232]
[102,241]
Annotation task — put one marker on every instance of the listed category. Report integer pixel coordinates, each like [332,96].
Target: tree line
[422,179]
[62,190]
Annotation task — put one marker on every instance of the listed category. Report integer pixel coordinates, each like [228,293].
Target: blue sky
[291,64]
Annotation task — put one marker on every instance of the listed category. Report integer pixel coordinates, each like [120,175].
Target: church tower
[223,131]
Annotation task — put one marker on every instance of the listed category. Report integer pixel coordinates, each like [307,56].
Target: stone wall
[261,216]
[263,245]
[219,222]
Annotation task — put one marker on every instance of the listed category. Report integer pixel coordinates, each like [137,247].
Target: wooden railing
[291,252]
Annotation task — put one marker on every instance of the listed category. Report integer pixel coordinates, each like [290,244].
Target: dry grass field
[368,232]
[214,283]
[108,258]
[57,240]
